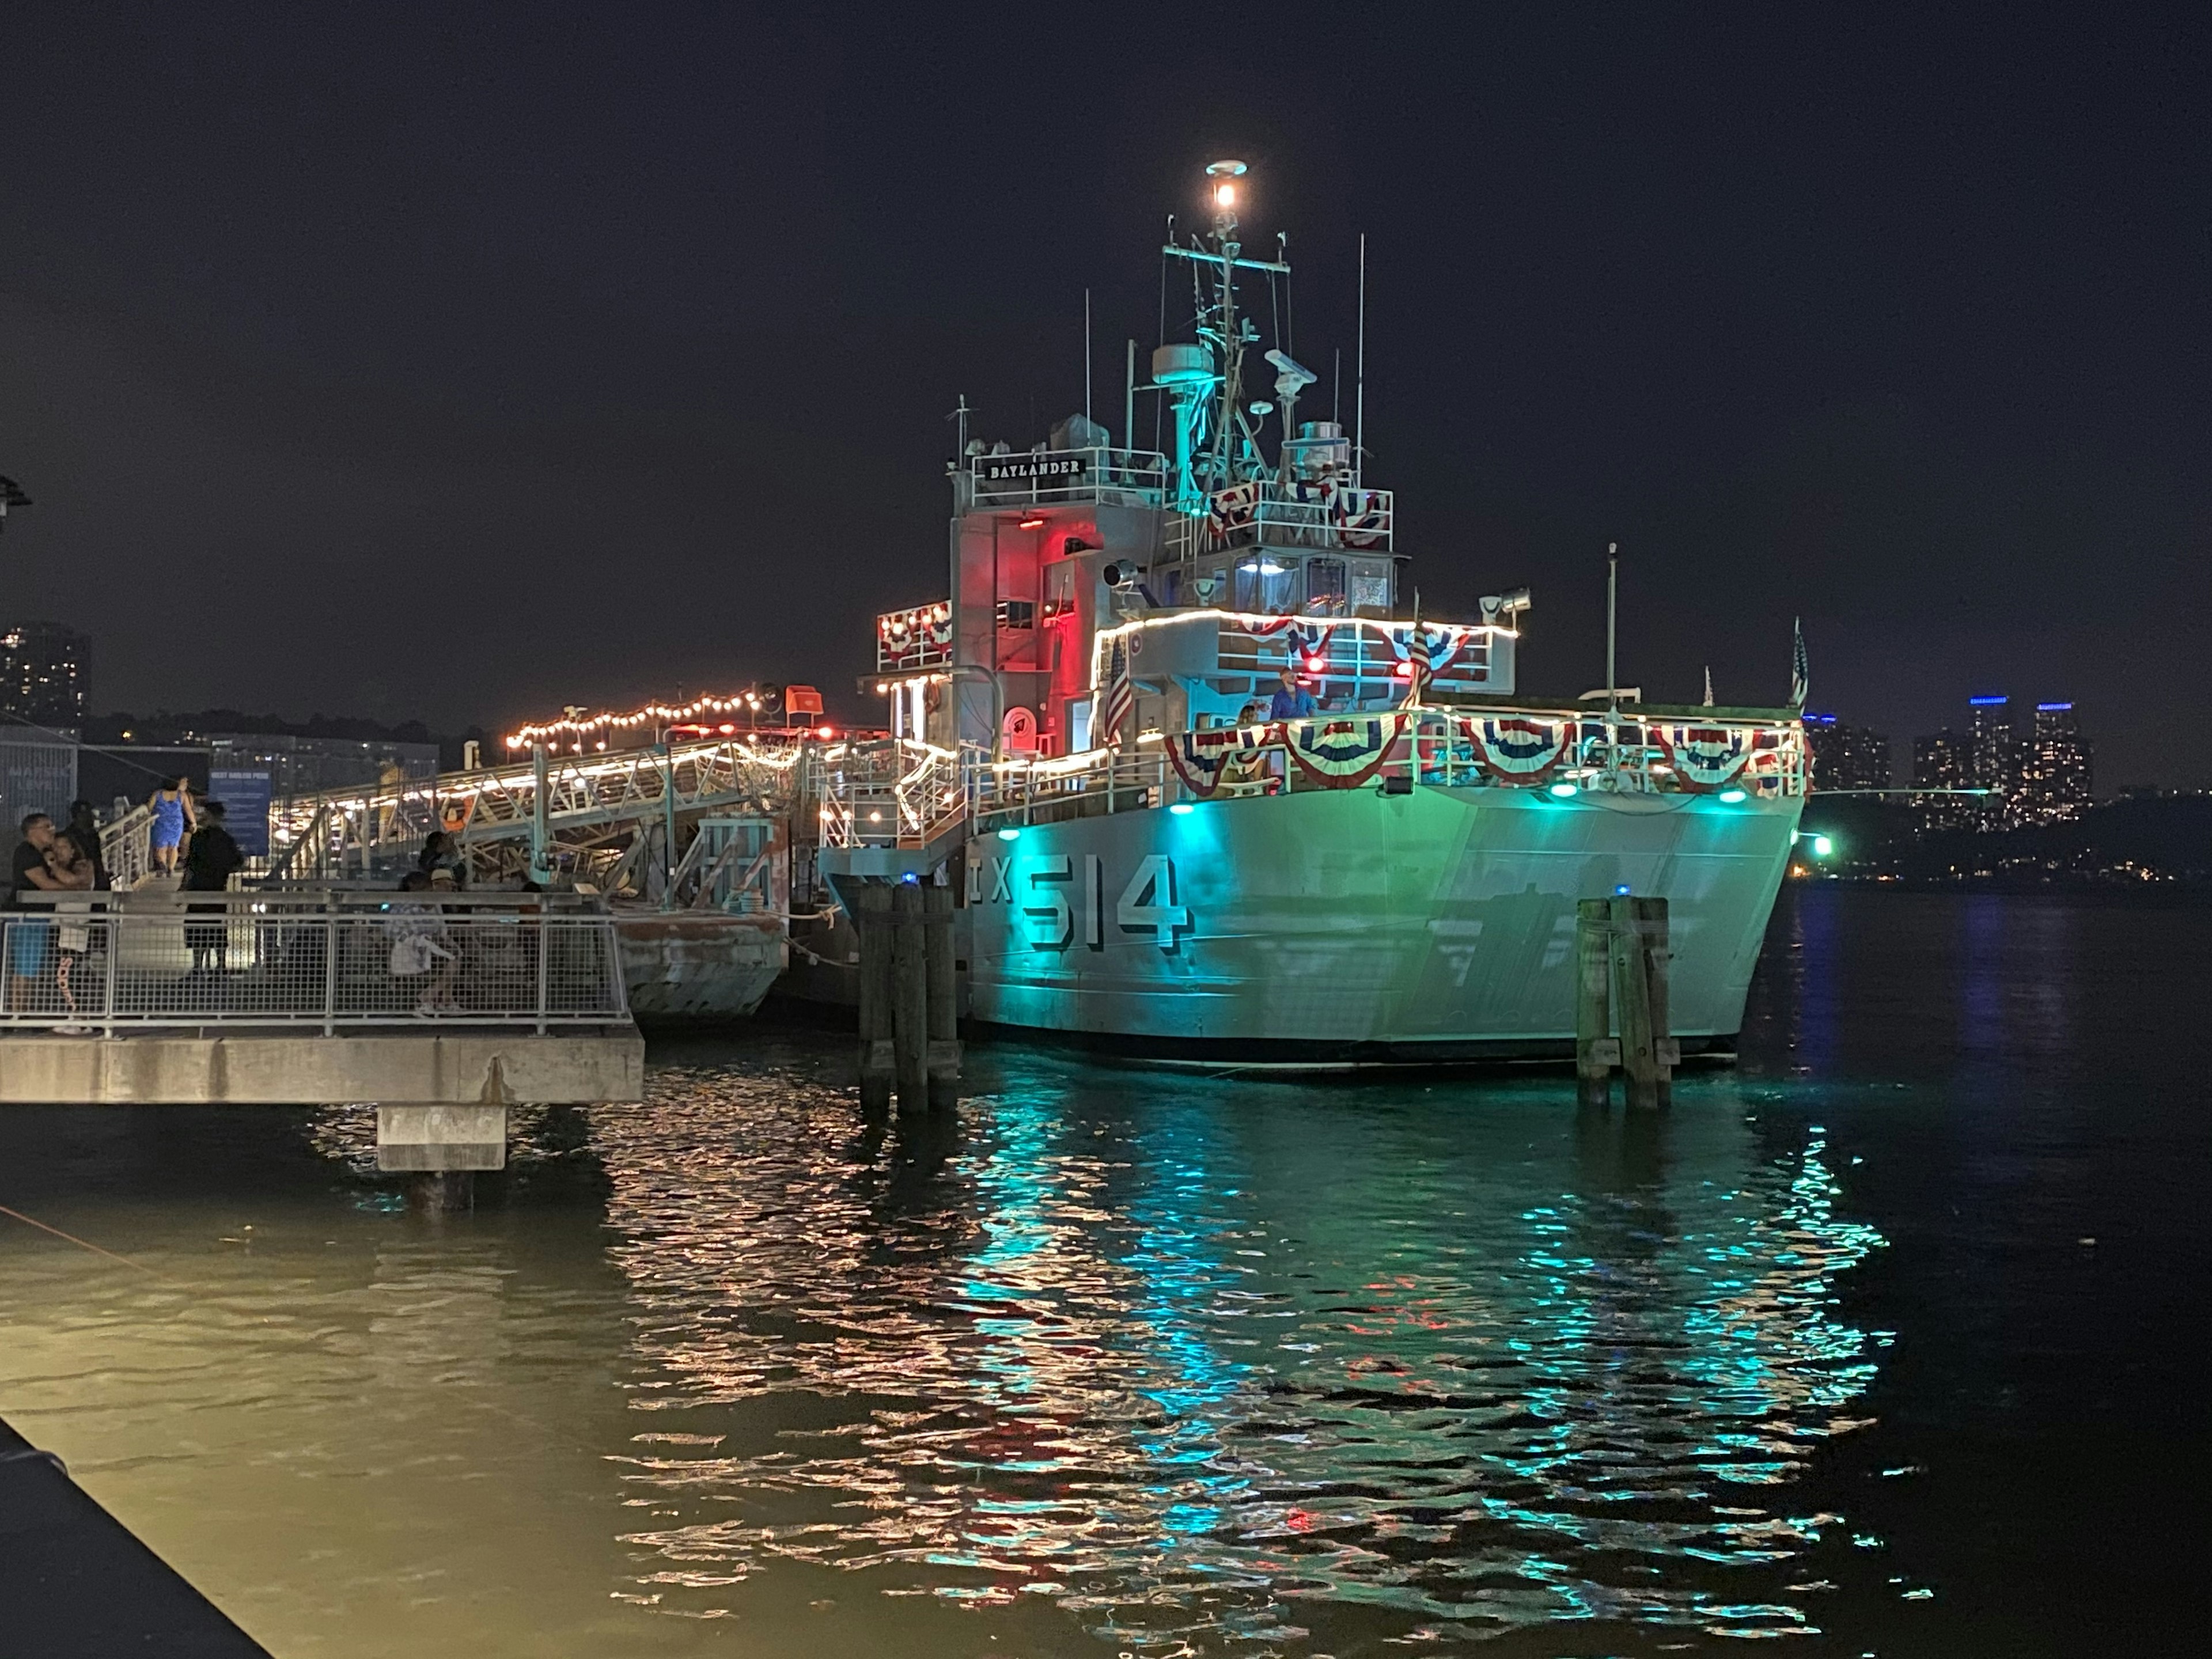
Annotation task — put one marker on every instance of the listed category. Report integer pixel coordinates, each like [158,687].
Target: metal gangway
[547,810]
[326,962]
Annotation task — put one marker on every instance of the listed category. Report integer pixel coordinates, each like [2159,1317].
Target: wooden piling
[944,1056]
[1653,933]
[909,997]
[1595,1051]
[872,919]
[1631,1003]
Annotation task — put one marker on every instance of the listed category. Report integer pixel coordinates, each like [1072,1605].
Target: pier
[246,998]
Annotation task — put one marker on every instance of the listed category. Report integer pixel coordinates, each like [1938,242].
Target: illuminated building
[1846,756]
[2058,776]
[42,674]
[2036,777]
[1943,761]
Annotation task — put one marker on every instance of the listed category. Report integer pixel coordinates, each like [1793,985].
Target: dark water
[1885,1341]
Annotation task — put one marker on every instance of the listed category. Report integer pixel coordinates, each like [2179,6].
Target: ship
[1207,784]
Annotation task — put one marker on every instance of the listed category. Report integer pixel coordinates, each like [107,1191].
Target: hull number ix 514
[1063,900]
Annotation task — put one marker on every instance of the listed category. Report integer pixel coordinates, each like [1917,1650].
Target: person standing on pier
[209,862]
[29,937]
[82,832]
[174,819]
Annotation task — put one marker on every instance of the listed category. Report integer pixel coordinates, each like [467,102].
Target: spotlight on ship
[1561,790]
[1183,809]
[1732,797]
[1823,846]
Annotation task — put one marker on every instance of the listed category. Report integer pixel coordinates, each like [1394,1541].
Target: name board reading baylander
[1020,468]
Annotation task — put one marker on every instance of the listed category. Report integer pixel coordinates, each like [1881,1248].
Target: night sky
[381,364]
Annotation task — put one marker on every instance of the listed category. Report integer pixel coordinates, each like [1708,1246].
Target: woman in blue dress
[174,819]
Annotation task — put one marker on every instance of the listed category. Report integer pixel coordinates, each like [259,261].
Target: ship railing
[1039,789]
[920,636]
[1124,478]
[314,960]
[1322,517]
[1435,747]
[892,791]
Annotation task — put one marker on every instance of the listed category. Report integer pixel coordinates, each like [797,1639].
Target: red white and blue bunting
[1198,757]
[1517,748]
[1345,751]
[1704,758]
[1363,516]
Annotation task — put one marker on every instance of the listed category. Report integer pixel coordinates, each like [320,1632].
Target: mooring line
[32,1221]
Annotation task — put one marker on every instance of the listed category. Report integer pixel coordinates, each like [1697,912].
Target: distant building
[1995,752]
[2037,777]
[307,766]
[1944,760]
[1846,756]
[42,674]
[2058,775]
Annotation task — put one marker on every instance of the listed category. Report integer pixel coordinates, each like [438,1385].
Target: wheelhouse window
[1370,587]
[1325,586]
[1265,583]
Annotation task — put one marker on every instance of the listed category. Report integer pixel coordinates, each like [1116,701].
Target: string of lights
[576,726]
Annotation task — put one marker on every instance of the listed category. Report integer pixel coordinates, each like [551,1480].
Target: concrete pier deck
[573,1065]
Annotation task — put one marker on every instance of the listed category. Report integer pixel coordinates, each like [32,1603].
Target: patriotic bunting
[1199,756]
[1344,752]
[1704,758]
[1517,749]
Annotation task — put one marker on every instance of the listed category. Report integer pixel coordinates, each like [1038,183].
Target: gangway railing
[598,791]
[893,792]
[328,961]
[126,848]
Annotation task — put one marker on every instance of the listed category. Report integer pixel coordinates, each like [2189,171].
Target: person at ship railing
[1291,701]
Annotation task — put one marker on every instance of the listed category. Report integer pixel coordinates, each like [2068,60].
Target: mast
[1224,175]
[1359,377]
[1612,688]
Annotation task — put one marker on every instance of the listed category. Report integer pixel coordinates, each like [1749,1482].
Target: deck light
[1823,846]
[1732,796]
[1183,809]
[1035,522]
[1563,790]
[1008,834]
[1620,890]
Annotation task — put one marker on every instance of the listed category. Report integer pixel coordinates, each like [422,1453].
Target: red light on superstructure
[1404,670]
[1035,522]
[827,732]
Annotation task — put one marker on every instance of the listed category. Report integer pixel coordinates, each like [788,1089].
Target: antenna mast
[1612,610]
[1086,356]
[1359,377]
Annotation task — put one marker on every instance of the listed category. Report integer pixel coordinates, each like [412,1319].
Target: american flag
[1121,691]
[1801,673]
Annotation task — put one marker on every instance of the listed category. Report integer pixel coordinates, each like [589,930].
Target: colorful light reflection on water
[1206,1363]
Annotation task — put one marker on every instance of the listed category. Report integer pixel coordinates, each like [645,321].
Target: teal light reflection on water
[1197,1360]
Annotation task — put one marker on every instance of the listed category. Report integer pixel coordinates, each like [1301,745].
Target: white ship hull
[1432,925]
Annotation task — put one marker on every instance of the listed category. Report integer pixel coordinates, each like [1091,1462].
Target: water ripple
[1209,1363]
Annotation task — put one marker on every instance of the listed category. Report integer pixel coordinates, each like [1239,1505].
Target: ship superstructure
[1151,845]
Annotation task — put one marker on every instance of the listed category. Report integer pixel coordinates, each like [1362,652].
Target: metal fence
[347,962]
